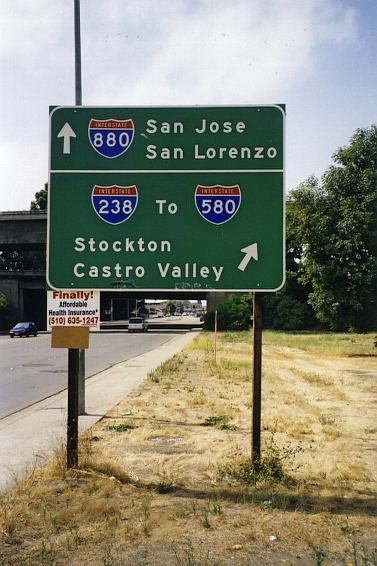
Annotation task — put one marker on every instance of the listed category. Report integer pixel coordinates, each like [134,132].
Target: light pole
[78,89]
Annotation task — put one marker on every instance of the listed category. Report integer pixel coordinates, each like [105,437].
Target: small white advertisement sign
[73,308]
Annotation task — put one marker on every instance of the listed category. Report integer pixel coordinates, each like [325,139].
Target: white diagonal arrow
[250,252]
[66,133]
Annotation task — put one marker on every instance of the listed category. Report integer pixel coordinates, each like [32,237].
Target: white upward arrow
[250,252]
[66,133]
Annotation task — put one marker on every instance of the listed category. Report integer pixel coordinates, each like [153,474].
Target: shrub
[283,312]
[235,314]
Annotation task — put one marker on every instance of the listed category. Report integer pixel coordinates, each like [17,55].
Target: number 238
[115,206]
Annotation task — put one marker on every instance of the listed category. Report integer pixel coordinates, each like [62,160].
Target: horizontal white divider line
[167,171]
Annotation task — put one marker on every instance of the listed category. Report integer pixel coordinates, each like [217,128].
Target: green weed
[370,430]
[216,507]
[274,465]
[319,555]
[219,421]
[110,559]
[216,420]
[324,420]
[123,427]
[206,524]
[172,365]
[186,554]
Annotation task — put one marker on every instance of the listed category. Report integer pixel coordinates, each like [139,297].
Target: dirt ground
[165,478]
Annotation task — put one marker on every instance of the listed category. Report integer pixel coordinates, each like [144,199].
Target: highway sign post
[183,198]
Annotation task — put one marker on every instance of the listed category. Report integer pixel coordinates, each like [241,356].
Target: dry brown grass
[160,476]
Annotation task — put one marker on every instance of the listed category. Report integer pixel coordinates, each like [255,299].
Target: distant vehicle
[137,324]
[22,329]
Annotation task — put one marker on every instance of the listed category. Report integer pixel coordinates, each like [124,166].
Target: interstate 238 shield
[111,138]
[217,203]
[114,204]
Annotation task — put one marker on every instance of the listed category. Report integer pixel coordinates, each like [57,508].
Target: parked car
[22,329]
[137,324]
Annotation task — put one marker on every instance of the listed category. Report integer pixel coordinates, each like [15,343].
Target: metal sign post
[257,378]
[73,407]
[82,410]
[75,339]
[215,347]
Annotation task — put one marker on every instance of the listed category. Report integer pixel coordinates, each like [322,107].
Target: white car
[137,324]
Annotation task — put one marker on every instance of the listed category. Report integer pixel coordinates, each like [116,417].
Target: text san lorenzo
[200,151]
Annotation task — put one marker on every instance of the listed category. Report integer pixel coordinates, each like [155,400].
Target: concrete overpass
[26,290]
[23,229]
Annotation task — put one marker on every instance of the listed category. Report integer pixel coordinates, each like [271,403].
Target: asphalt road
[30,370]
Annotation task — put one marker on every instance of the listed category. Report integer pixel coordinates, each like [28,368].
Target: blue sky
[316,56]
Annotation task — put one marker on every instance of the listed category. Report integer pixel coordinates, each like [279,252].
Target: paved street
[30,370]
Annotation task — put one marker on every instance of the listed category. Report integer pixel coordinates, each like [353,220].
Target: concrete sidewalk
[29,437]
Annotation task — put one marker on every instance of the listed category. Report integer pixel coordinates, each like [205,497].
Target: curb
[29,437]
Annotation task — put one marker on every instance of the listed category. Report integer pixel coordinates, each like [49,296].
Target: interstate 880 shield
[112,137]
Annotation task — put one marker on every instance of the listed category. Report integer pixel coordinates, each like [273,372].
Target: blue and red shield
[217,203]
[114,204]
[111,138]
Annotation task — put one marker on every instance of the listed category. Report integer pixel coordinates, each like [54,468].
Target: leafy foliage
[170,308]
[274,466]
[338,231]
[40,199]
[289,309]
[4,321]
[234,314]
[123,427]
[3,302]
[331,247]
[21,260]
[284,312]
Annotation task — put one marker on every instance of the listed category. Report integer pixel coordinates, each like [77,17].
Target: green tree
[289,309]
[338,231]
[40,199]
[170,308]
[234,314]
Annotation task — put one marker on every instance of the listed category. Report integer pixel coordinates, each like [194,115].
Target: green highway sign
[180,198]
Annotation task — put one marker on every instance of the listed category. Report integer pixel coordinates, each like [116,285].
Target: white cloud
[31,28]
[218,52]
[149,52]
